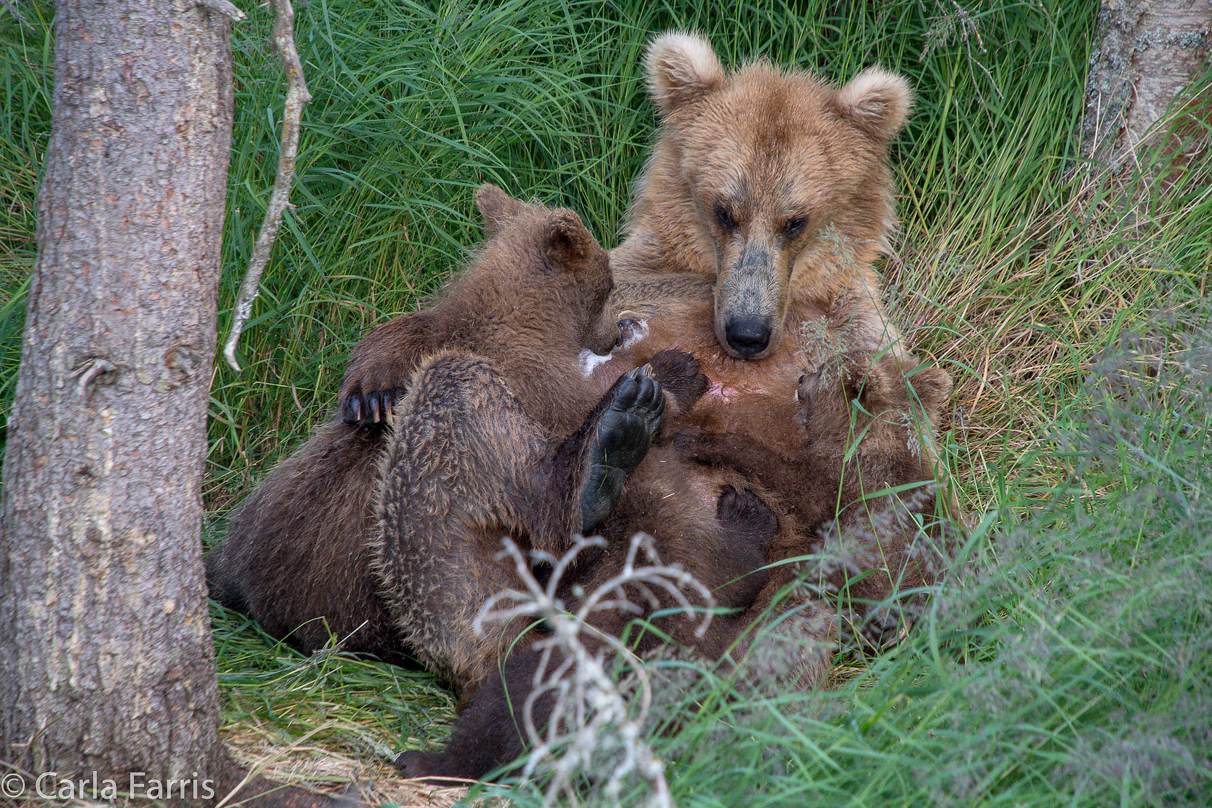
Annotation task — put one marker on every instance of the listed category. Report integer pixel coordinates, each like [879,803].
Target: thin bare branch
[292,114]
[223,7]
[12,9]
[596,722]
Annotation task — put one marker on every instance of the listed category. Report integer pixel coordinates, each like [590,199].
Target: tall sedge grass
[1067,665]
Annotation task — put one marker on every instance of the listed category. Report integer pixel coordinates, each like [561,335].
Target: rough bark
[1146,52]
[106,657]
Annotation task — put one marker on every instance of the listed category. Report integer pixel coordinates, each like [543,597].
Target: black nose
[748,337]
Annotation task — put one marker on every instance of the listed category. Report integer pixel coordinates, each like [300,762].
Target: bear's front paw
[364,409]
[678,373]
[618,442]
[750,526]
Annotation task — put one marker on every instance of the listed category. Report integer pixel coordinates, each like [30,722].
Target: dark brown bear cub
[848,452]
[295,557]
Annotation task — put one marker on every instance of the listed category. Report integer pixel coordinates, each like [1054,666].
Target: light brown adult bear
[769,186]
[752,237]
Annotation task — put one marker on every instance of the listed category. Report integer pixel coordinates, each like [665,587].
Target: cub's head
[774,180]
[543,273]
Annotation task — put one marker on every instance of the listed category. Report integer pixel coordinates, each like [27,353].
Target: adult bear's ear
[876,101]
[496,208]
[568,240]
[682,69]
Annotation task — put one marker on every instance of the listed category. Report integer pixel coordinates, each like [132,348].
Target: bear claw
[363,409]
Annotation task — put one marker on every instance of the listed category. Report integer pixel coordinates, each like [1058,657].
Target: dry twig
[597,723]
[292,114]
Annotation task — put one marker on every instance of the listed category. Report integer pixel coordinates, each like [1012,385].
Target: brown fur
[772,186]
[467,466]
[483,415]
[295,557]
[886,530]
[770,147]
[468,462]
[478,310]
[824,430]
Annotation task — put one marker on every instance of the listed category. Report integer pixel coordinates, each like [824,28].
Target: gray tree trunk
[106,657]
[1145,52]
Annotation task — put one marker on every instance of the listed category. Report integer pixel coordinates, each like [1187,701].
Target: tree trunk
[1145,52]
[106,657]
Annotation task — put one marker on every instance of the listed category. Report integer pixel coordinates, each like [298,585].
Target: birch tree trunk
[106,657]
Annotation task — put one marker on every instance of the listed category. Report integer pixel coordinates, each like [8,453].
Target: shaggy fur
[752,237]
[770,185]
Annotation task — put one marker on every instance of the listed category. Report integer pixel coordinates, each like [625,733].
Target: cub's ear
[568,240]
[496,208]
[682,69]
[876,101]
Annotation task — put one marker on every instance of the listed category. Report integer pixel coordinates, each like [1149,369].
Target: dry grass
[260,749]
[1021,325]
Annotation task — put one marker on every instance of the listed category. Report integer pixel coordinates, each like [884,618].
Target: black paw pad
[745,515]
[618,442]
[748,525]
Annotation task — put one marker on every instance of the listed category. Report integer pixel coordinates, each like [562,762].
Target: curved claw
[364,409]
[351,409]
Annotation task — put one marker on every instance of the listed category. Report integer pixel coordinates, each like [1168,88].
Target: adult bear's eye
[794,226]
[724,216]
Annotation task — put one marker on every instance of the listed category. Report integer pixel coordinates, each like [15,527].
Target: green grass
[1068,664]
